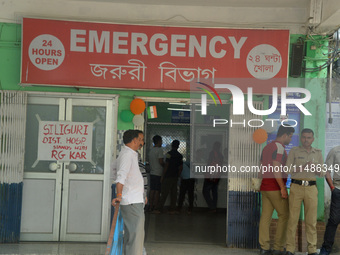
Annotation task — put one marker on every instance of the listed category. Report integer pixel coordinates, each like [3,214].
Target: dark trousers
[333,221]
[210,186]
[187,185]
[169,185]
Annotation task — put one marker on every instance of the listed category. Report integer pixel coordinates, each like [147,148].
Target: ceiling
[299,16]
[226,3]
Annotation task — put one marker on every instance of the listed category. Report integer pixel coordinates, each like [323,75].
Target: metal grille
[12,135]
[243,203]
[169,132]
[12,147]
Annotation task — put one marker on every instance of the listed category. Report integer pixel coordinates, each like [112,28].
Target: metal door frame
[57,176]
[110,151]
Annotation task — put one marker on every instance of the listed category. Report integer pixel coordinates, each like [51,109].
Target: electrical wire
[333,53]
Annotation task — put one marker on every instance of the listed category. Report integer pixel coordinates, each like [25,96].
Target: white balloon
[138,120]
[270,126]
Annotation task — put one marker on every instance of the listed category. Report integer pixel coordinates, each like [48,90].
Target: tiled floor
[200,233]
[152,248]
[53,248]
[199,227]
[99,248]
[194,249]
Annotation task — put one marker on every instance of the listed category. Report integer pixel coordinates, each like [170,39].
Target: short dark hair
[307,130]
[130,134]
[156,139]
[175,144]
[139,131]
[285,129]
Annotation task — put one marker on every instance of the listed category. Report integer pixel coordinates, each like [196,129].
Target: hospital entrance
[202,225]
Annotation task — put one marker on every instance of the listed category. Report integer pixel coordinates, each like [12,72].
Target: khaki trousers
[272,200]
[309,196]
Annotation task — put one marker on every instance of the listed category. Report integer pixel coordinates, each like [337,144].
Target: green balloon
[126,116]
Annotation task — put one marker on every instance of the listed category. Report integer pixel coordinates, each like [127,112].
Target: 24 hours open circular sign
[46,52]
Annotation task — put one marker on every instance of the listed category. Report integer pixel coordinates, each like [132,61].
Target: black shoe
[265,252]
[276,252]
[289,253]
[323,251]
[314,253]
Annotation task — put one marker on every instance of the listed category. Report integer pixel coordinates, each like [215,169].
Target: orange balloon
[137,106]
[260,136]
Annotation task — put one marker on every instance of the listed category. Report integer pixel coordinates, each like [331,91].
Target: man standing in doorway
[156,170]
[274,191]
[130,189]
[211,180]
[333,164]
[172,170]
[301,161]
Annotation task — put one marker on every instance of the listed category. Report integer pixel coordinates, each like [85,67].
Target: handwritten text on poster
[65,141]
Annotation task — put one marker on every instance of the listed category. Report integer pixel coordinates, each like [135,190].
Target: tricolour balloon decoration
[138,120]
[260,136]
[270,126]
[137,106]
[126,116]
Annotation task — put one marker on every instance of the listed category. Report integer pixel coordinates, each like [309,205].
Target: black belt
[304,183]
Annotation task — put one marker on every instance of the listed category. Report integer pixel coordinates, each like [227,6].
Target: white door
[68,201]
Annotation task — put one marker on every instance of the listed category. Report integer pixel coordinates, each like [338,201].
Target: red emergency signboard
[101,55]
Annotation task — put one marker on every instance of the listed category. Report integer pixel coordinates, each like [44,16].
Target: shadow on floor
[199,227]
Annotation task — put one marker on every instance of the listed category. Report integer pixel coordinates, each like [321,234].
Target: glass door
[84,183]
[40,218]
[69,200]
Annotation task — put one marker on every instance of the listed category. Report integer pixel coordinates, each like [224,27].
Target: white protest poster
[65,141]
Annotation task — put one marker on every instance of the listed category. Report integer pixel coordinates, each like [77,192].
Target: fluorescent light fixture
[178,103]
[179,109]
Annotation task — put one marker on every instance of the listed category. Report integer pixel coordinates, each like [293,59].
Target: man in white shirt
[130,189]
[156,170]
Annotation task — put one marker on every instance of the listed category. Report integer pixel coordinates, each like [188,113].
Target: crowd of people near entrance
[305,164]
[164,176]
[165,173]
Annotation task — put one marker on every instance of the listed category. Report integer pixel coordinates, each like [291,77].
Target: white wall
[330,15]
[287,14]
